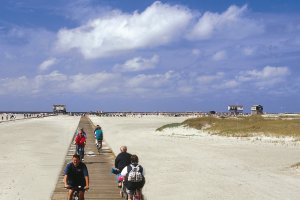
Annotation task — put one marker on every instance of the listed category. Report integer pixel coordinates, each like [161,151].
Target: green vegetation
[245,126]
[169,126]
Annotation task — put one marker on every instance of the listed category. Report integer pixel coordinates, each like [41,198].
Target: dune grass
[245,126]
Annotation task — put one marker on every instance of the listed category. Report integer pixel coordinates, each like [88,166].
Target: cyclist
[76,174]
[80,143]
[121,161]
[98,136]
[134,177]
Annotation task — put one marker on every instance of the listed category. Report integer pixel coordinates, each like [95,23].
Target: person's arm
[66,181]
[66,178]
[116,162]
[124,171]
[87,182]
[86,177]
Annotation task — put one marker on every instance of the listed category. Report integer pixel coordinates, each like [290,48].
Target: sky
[142,55]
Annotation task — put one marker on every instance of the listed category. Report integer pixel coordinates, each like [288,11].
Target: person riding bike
[134,178]
[76,174]
[80,141]
[121,161]
[98,136]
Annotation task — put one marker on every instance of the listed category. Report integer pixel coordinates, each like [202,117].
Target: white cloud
[266,73]
[230,24]
[159,24]
[46,64]
[228,84]
[16,86]
[92,82]
[220,55]
[151,81]
[196,52]
[267,77]
[138,64]
[206,79]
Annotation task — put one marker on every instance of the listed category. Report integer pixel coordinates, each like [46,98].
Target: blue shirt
[98,134]
[76,175]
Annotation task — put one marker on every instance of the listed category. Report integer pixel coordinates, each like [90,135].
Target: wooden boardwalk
[102,183]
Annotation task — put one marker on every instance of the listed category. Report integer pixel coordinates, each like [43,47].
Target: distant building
[212,112]
[257,110]
[58,108]
[235,109]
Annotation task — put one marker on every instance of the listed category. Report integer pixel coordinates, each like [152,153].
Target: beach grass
[169,126]
[245,126]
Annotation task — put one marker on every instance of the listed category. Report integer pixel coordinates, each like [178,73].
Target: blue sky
[135,55]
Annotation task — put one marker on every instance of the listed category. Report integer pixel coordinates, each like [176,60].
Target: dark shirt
[122,160]
[76,175]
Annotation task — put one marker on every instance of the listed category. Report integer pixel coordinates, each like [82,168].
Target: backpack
[134,178]
[135,173]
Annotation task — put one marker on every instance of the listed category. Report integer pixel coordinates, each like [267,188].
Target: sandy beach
[189,164]
[180,163]
[33,151]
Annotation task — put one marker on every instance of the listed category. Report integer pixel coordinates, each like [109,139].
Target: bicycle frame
[76,189]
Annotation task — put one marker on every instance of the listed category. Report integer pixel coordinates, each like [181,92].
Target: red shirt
[80,140]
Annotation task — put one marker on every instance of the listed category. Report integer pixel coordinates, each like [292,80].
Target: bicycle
[80,152]
[135,195]
[76,189]
[123,192]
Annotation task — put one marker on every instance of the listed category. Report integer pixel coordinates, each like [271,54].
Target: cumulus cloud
[16,86]
[92,82]
[230,24]
[151,81]
[159,24]
[268,76]
[138,64]
[47,64]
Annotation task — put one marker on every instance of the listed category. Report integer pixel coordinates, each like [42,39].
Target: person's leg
[130,194]
[77,152]
[100,143]
[82,152]
[81,195]
[140,194]
[70,194]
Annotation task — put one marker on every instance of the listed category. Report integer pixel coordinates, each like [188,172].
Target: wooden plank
[102,182]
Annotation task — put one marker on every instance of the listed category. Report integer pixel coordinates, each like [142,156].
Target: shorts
[131,186]
[75,185]
[131,192]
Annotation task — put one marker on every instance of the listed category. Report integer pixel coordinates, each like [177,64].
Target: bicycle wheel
[75,196]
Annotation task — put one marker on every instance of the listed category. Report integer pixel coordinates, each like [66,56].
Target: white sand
[183,164]
[188,164]
[32,154]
